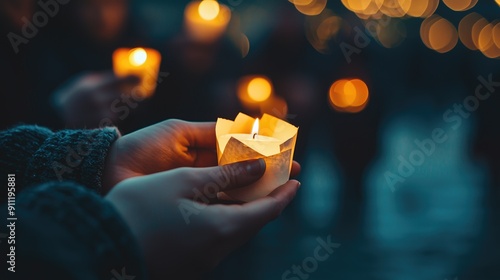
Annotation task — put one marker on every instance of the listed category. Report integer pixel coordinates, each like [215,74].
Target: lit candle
[267,146]
[144,63]
[273,140]
[206,20]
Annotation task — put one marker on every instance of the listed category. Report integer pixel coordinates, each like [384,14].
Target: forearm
[37,155]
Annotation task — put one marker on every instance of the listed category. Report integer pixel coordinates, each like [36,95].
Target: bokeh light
[465,30]
[254,90]
[259,89]
[363,7]
[477,27]
[244,45]
[487,43]
[392,8]
[438,34]
[421,8]
[321,29]
[460,5]
[496,35]
[138,56]
[208,9]
[425,28]
[349,95]
[443,36]
[207,20]
[313,8]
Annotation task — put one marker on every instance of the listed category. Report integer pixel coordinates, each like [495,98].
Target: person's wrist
[109,172]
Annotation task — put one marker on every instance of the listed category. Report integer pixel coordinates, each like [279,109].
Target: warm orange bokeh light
[363,7]
[349,95]
[496,34]
[315,7]
[460,5]
[259,89]
[208,9]
[393,8]
[361,92]
[438,34]
[254,91]
[431,8]
[443,36]
[206,20]
[477,27]
[465,30]
[425,28]
[301,2]
[487,44]
[415,8]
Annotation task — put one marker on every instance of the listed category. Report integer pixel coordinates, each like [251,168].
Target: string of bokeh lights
[474,31]
[385,20]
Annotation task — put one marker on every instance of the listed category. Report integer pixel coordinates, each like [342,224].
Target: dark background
[442,222]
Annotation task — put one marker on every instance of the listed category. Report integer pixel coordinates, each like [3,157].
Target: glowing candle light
[246,138]
[143,63]
[206,20]
[254,91]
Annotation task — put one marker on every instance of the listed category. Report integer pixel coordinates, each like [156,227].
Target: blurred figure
[94,100]
[77,49]
[101,21]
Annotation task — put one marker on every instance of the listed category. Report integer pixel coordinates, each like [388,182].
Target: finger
[200,134]
[204,157]
[295,169]
[209,181]
[266,209]
[249,218]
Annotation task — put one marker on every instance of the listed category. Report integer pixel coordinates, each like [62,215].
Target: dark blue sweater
[64,229]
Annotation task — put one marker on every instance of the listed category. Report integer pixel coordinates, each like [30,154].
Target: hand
[179,231]
[88,99]
[164,146]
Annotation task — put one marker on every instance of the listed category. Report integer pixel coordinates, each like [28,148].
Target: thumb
[211,180]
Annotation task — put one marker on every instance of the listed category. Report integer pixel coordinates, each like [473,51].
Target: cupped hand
[179,229]
[164,146]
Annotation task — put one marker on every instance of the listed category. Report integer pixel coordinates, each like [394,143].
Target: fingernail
[298,184]
[255,167]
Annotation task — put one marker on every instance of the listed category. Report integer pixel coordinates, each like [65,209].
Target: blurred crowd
[57,72]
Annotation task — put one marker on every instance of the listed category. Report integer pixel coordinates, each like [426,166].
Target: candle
[246,138]
[144,63]
[206,20]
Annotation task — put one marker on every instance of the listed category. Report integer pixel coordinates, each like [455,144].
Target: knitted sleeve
[37,155]
[65,231]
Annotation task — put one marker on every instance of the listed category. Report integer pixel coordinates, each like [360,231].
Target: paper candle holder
[141,62]
[275,144]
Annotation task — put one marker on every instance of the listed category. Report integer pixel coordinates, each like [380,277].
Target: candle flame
[138,56]
[208,9]
[255,128]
